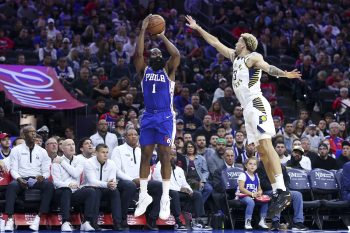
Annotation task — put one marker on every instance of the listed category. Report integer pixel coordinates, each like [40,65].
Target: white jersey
[245,81]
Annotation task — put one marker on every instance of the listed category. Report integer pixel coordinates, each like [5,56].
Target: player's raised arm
[174,59]
[212,40]
[139,60]
[258,62]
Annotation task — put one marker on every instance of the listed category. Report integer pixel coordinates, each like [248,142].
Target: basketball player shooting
[157,124]
[247,68]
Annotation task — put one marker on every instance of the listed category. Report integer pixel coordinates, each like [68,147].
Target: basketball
[156,25]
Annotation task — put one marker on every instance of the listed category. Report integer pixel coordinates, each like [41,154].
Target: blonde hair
[250,41]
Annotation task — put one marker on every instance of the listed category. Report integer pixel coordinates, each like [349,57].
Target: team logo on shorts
[262,119]
[167,140]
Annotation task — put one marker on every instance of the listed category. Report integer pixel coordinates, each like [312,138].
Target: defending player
[158,120]
[247,68]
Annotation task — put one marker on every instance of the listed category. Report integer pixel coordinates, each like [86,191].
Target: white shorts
[258,120]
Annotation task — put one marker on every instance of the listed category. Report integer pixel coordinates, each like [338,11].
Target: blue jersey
[251,185]
[158,90]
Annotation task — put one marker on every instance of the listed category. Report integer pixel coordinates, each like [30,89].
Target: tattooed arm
[257,61]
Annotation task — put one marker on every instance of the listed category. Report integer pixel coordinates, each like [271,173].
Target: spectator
[237,117]
[182,100]
[22,171]
[120,130]
[228,102]
[5,152]
[100,108]
[51,29]
[345,154]
[63,71]
[334,140]
[206,129]
[86,148]
[190,121]
[199,110]
[315,135]
[324,160]
[51,147]
[342,103]
[297,200]
[102,136]
[23,41]
[306,145]
[66,174]
[187,137]
[26,12]
[214,157]
[197,171]
[278,125]
[111,117]
[6,43]
[82,87]
[289,136]
[179,128]
[121,88]
[181,190]
[119,70]
[282,152]
[299,161]
[127,104]
[216,112]
[238,147]
[219,92]
[249,184]
[21,59]
[48,50]
[276,111]
[100,172]
[127,157]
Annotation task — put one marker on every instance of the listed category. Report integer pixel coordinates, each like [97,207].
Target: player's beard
[157,63]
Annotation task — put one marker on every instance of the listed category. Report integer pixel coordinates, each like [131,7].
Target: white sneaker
[86,226]
[66,226]
[262,223]
[248,224]
[36,223]
[9,225]
[164,212]
[144,200]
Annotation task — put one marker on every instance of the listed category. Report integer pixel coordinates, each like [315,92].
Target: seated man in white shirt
[180,190]
[127,157]
[100,173]
[86,148]
[66,174]
[103,136]
[30,168]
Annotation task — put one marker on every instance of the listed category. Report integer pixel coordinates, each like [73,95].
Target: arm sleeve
[92,180]
[46,164]
[56,177]
[116,158]
[75,172]
[14,164]
[113,171]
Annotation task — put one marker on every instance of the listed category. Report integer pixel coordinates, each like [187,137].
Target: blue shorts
[157,128]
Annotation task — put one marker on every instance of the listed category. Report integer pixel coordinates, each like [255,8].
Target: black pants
[86,196]
[14,188]
[155,190]
[127,191]
[113,197]
[196,202]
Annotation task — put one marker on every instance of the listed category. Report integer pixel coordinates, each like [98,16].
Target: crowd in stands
[90,45]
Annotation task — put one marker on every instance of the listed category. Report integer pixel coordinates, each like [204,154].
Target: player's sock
[274,187]
[280,182]
[166,187]
[143,186]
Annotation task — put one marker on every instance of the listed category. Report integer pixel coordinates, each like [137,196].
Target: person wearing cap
[296,158]
[5,151]
[179,128]
[30,168]
[345,154]
[191,122]
[214,157]
[51,29]
[63,71]
[324,160]
[219,92]
[65,49]
[315,136]
[226,123]
[197,173]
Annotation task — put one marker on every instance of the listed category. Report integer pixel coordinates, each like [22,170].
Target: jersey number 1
[154,88]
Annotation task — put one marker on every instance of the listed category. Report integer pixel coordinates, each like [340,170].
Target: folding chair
[230,177]
[325,188]
[299,182]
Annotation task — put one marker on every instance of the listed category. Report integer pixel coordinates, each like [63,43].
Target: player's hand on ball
[191,22]
[146,21]
[293,74]
[160,35]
